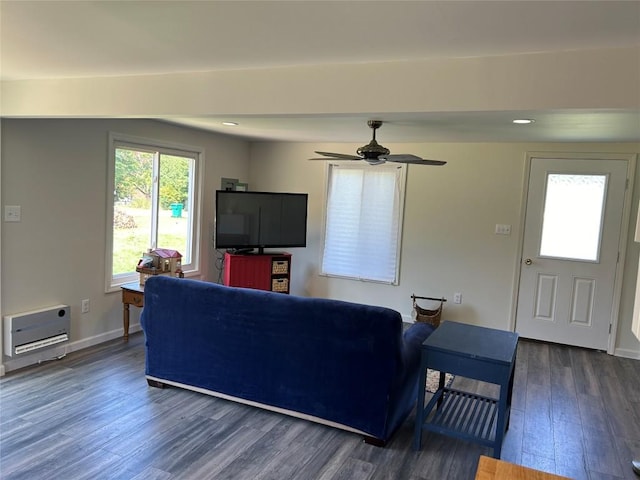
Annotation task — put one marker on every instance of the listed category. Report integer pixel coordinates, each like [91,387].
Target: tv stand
[261,271]
[240,251]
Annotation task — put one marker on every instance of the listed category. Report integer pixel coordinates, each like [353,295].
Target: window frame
[401,192]
[118,140]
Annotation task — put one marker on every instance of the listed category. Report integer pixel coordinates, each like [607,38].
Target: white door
[570,250]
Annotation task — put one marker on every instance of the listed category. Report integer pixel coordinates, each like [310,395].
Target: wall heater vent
[28,332]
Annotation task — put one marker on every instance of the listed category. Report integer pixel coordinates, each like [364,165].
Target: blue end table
[484,354]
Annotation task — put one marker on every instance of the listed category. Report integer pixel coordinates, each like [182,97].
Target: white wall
[592,78]
[56,170]
[449,244]
[1,203]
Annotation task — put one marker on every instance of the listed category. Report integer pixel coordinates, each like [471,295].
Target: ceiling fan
[376,154]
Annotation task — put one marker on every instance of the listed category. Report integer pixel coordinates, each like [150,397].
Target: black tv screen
[248,220]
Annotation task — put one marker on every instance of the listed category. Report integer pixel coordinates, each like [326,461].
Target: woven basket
[426,315]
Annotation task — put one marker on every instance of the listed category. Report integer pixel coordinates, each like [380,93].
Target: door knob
[528,261]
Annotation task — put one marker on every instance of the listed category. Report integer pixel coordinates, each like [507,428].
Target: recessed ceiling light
[230,124]
[523,121]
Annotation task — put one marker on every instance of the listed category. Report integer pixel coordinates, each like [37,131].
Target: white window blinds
[363,222]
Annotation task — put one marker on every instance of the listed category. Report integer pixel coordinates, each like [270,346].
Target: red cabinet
[268,271]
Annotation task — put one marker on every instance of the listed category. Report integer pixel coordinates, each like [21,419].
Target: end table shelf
[469,416]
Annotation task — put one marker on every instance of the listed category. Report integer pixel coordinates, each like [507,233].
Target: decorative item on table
[428,315]
[146,261]
[161,261]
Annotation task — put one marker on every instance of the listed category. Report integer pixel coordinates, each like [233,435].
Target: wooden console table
[481,353]
[132,294]
[492,469]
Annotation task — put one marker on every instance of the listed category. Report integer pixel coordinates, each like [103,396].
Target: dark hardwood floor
[91,415]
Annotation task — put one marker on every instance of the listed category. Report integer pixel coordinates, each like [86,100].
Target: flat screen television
[249,220]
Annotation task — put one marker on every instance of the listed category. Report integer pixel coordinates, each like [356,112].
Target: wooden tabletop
[133,286]
[493,469]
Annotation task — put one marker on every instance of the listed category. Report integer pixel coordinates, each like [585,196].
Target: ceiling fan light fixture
[523,121]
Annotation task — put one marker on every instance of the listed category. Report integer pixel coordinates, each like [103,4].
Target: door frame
[624,229]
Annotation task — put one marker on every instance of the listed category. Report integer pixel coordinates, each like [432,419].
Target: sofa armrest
[413,338]
[405,390]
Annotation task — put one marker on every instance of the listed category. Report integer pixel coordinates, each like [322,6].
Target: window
[635,322]
[154,204]
[573,216]
[363,222]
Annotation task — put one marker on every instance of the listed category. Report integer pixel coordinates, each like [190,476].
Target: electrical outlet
[457,297]
[12,213]
[85,305]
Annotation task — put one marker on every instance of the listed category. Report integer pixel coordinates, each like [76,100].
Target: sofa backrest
[339,357]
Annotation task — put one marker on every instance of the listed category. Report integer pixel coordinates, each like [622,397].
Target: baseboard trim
[626,353]
[97,339]
[59,352]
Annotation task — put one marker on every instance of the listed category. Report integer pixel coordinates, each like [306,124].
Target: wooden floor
[91,415]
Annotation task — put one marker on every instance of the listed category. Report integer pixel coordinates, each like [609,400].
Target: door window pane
[573,213]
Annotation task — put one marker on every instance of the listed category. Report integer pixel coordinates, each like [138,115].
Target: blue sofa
[338,363]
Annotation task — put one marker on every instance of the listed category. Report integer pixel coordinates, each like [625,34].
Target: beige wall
[56,170]
[449,244]
[592,78]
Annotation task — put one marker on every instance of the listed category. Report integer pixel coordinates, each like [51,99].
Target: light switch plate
[12,213]
[502,229]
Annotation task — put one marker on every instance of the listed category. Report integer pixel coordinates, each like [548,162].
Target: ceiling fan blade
[408,158]
[339,156]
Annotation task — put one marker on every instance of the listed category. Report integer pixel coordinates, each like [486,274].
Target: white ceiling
[61,40]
